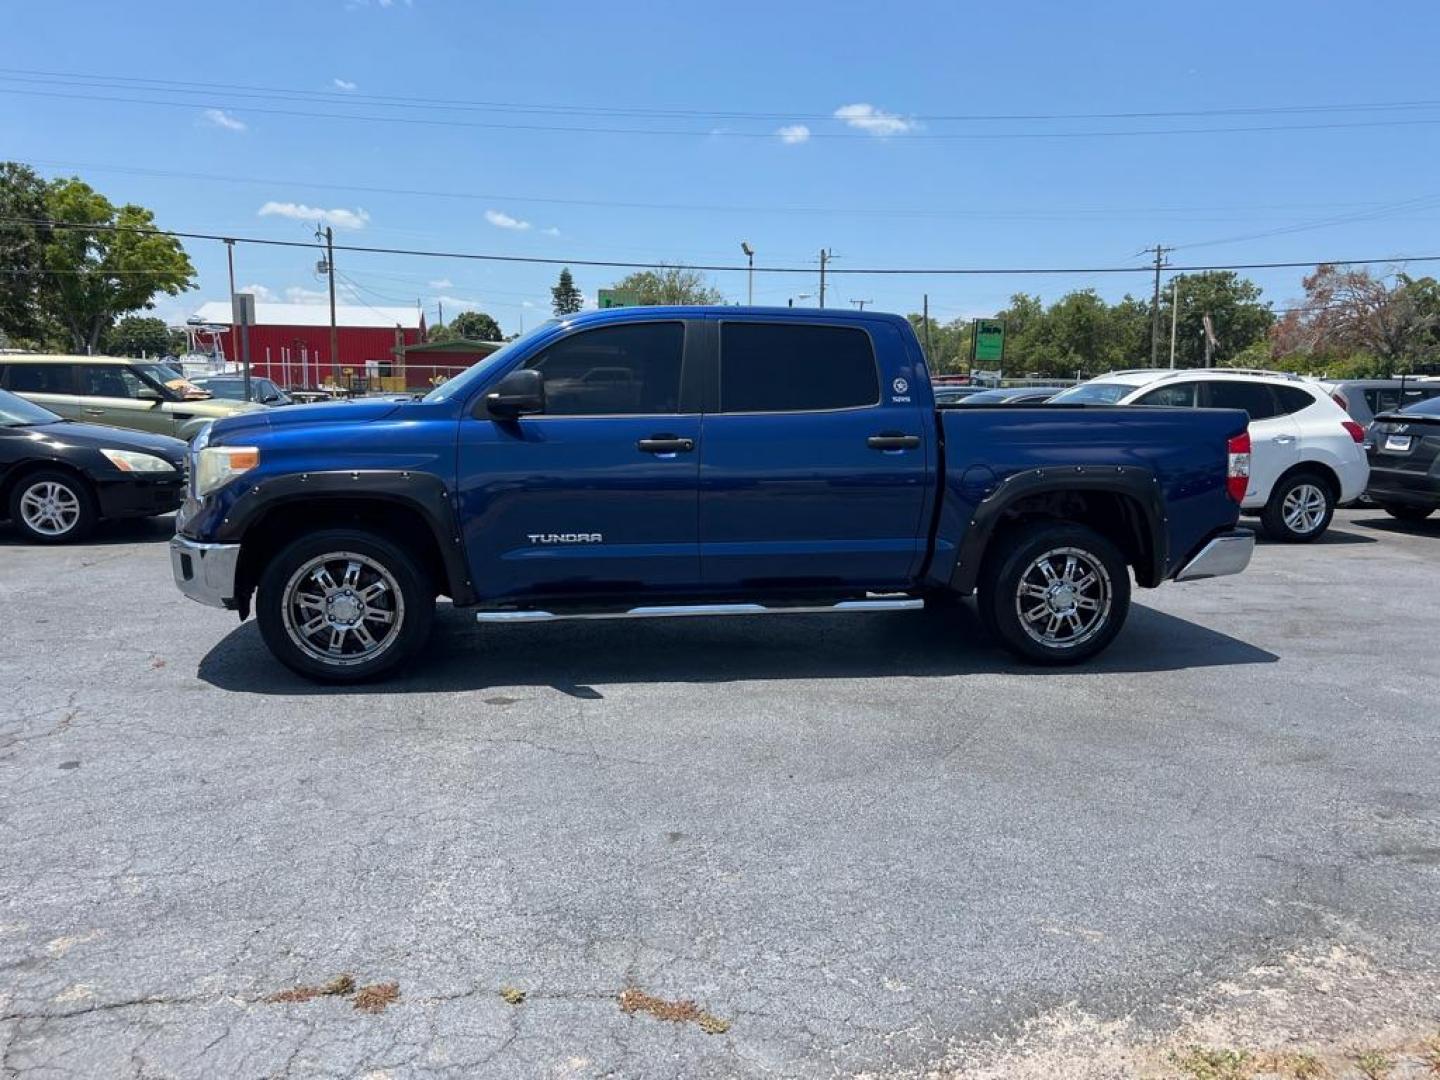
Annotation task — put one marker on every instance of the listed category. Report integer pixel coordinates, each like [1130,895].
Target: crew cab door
[816,457]
[597,494]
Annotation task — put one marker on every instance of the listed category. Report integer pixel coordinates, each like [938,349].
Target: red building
[290,343]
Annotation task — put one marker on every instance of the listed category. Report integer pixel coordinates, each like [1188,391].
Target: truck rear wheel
[344,605]
[1055,593]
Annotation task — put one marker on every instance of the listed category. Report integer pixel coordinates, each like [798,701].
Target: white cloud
[874,121]
[298,294]
[345,84]
[339,217]
[551,231]
[262,294]
[526,303]
[505,221]
[793,133]
[457,304]
[442,283]
[221,119]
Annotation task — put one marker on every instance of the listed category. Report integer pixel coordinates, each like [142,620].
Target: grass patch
[1213,1063]
[511,996]
[377,997]
[339,986]
[633,1000]
[1373,1065]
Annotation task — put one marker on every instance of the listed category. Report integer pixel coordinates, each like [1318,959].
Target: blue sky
[793,126]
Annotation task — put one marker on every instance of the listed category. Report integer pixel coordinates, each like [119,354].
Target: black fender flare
[420,491]
[1133,481]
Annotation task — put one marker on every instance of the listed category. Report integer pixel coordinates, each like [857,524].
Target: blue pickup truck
[650,462]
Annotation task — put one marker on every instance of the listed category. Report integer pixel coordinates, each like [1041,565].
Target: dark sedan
[58,478]
[1404,449]
[232,388]
[1013,395]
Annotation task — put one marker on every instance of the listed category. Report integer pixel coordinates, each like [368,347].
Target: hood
[340,412]
[95,436]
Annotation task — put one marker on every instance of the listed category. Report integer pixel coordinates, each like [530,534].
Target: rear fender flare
[1134,481]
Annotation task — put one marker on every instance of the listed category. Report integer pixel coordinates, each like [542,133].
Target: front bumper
[1228,553]
[205,572]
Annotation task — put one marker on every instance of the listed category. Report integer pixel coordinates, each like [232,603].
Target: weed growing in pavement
[633,1000]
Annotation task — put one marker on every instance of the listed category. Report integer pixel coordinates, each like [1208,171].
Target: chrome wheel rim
[343,608]
[50,508]
[1303,508]
[1063,599]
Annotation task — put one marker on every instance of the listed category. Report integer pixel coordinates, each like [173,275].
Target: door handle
[94,412]
[892,441]
[665,444]
[1283,440]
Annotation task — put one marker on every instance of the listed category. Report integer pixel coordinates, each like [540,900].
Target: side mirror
[518,394]
[147,393]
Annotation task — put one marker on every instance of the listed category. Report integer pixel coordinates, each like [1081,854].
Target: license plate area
[1398,444]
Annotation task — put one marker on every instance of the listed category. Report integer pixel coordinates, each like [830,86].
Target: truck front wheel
[344,605]
[1055,593]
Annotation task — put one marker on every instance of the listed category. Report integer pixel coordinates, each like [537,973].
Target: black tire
[1016,565]
[1401,512]
[1299,509]
[65,495]
[286,595]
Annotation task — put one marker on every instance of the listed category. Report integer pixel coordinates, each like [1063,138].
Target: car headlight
[218,465]
[136,462]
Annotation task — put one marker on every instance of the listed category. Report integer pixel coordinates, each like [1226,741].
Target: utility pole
[861,303]
[824,258]
[1160,251]
[441,307]
[234,330]
[925,307]
[750,274]
[1174,317]
[330,266]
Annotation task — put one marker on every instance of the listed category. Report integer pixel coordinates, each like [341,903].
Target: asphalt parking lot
[860,845]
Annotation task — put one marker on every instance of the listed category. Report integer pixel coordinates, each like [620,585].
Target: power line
[724,268]
[570,129]
[147,84]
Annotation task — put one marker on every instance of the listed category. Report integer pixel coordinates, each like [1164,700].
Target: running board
[845,607]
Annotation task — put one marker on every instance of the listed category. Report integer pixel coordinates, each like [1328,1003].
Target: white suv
[1306,456]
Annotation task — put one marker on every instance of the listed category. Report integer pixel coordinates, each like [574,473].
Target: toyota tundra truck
[668,461]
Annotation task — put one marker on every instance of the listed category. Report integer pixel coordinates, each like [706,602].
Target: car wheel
[53,507]
[1299,510]
[344,606]
[1408,513]
[1055,593]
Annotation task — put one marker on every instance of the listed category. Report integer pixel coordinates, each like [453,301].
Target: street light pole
[750,274]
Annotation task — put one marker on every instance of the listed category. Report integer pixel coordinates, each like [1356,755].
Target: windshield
[480,371]
[172,380]
[223,388]
[1092,393]
[17,412]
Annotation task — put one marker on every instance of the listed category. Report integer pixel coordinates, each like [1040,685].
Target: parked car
[754,461]
[1306,456]
[139,394]
[1363,399]
[950,394]
[1404,448]
[232,388]
[58,478]
[1013,395]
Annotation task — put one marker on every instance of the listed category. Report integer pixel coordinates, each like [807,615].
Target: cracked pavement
[867,843]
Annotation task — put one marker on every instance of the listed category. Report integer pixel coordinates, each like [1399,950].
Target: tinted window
[1292,399]
[1383,399]
[111,380]
[614,371]
[42,378]
[1253,397]
[1176,395]
[779,367]
[223,388]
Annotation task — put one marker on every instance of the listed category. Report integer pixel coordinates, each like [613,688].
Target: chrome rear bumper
[205,572]
[1226,554]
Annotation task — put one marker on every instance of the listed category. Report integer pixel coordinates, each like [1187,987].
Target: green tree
[1235,309]
[93,276]
[475,326]
[565,298]
[669,285]
[141,335]
[22,247]
[949,343]
[439,333]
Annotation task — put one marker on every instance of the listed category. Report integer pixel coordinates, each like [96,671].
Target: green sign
[609,298]
[988,341]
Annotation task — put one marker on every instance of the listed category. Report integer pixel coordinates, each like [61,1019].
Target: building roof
[456,345]
[384,318]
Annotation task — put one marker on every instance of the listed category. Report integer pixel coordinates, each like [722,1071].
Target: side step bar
[845,607]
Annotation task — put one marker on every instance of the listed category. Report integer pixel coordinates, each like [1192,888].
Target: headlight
[134,461]
[218,465]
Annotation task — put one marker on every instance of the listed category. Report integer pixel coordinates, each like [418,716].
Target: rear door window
[782,367]
[1254,398]
[41,378]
